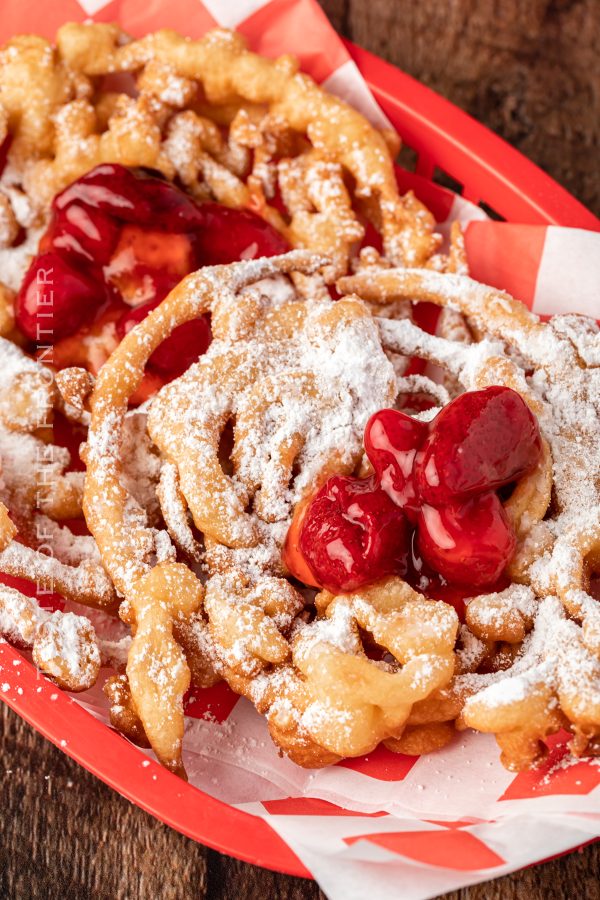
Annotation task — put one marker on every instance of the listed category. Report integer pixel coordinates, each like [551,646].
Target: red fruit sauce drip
[118,241]
[441,477]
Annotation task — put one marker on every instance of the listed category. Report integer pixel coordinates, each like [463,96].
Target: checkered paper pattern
[385,825]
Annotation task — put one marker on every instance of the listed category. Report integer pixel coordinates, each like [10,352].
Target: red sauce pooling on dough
[118,242]
[443,477]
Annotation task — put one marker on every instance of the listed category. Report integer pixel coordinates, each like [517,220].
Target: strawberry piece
[467,543]
[56,299]
[392,440]
[353,534]
[479,442]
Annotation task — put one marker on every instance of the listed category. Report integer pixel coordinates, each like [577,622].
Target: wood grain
[531,70]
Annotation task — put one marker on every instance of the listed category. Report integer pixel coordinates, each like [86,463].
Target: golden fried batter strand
[64,645]
[230,74]
[7,528]
[157,669]
[123,716]
[334,696]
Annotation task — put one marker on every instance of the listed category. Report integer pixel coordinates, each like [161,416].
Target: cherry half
[392,440]
[468,543]
[479,442]
[351,534]
[56,299]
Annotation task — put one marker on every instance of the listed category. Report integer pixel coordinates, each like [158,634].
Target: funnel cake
[555,677]
[212,452]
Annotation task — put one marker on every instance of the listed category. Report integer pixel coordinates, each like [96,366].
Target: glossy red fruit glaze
[467,543]
[479,442]
[172,209]
[392,440]
[232,234]
[353,534]
[423,578]
[175,355]
[165,234]
[82,232]
[56,299]
[112,189]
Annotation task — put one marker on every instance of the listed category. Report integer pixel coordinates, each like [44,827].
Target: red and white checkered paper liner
[384,825]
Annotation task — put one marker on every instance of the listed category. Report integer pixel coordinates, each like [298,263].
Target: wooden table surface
[526,69]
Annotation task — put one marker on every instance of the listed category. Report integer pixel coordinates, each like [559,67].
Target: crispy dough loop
[249,621]
[64,646]
[340,700]
[86,582]
[270,100]
[160,598]
[176,514]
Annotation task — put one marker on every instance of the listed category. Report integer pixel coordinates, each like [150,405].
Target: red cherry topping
[147,264]
[83,232]
[442,476]
[172,210]
[129,235]
[184,346]
[109,188]
[353,534]
[56,299]
[292,556]
[479,442]
[391,441]
[231,234]
[469,542]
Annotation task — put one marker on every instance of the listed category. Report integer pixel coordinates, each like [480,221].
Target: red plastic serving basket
[492,172]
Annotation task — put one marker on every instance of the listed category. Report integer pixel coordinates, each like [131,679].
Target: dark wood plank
[528,70]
